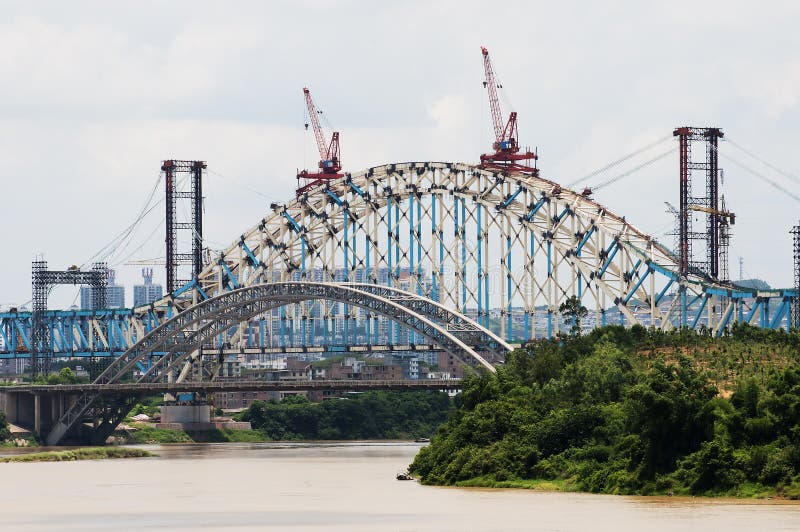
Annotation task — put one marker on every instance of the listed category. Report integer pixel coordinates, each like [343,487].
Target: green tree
[5,433]
[573,310]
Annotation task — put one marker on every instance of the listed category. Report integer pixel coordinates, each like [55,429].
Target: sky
[93,95]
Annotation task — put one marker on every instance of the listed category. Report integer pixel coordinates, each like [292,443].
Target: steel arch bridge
[172,349]
[504,248]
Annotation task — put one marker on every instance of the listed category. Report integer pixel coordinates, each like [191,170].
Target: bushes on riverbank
[626,411]
[85,453]
[370,415]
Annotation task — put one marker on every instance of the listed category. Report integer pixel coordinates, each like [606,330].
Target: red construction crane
[329,164]
[506,135]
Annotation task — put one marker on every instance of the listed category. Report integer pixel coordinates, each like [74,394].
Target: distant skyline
[94,96]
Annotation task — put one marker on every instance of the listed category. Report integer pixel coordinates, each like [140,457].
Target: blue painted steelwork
[529,258]
[754,309]
[635,269]
[529,217]
[684,308]
[585,239]
[355,188]
[436,233]
[254,261]
[610,252]
[229,274]
[390,263]
[336,199]
[185,288]
[724,321]
[511,198]
[509,326]
[419,245]
[292,222]
[699,312]
[776,320]
[549,276]
[636,286]
[563,213]
[462,238]
[201,291]
[479,235]
[664,291]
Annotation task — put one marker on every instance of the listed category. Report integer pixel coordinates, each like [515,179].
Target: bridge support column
[37,414]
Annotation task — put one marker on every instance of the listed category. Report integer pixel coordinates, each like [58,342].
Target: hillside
[631,411]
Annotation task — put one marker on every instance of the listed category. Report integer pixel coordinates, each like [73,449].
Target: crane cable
[620,161]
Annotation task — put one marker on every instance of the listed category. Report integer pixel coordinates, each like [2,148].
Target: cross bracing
[507,250]
[171,349]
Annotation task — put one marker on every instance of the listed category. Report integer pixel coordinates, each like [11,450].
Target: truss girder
[485,240]
[492,246]
[176,339]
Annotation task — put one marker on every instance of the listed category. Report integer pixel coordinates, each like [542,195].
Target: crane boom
[506,135]
[314,118]
[329,165]
[494,102]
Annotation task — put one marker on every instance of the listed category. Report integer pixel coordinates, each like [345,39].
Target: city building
[115,294]
[144,294]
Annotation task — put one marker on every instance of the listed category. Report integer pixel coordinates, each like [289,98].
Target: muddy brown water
[328,486]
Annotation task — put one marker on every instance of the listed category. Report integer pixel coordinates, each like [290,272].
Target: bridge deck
[237,386]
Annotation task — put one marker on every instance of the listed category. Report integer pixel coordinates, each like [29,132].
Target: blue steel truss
[505,249]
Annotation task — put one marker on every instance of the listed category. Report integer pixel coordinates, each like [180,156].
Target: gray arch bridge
[173,349]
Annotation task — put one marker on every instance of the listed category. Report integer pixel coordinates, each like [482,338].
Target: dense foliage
[5,433]
[64,376]
[627,411]
[371,415]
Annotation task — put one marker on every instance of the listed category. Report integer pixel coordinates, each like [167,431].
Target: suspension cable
[112,246]
[761,176]
[620,161]
[784,173]
[634,169]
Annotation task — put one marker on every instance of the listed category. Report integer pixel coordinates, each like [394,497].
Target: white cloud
[93,97]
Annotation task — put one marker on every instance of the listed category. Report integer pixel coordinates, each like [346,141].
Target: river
[328,486]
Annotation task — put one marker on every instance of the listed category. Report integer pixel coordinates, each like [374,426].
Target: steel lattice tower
[796,301]
[174,257]
[709,204]
[43,280]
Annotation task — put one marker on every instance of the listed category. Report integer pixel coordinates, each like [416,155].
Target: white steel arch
[473,240]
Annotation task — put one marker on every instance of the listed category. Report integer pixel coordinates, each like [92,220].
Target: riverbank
[631,412]
[84,453]
[143,433]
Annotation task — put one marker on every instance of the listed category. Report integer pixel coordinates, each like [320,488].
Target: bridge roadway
[147,388]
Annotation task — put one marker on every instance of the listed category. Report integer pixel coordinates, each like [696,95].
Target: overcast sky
[93,95]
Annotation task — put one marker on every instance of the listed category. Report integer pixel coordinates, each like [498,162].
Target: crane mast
[506,147]
[329,164]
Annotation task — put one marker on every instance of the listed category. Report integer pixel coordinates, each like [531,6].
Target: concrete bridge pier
[35,411]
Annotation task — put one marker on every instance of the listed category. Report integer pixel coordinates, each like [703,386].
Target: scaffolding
[43,280]
[795,317]
[709,205]
[175,256]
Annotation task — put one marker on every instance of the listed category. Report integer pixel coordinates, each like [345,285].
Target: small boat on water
[422,440]
[404,476]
